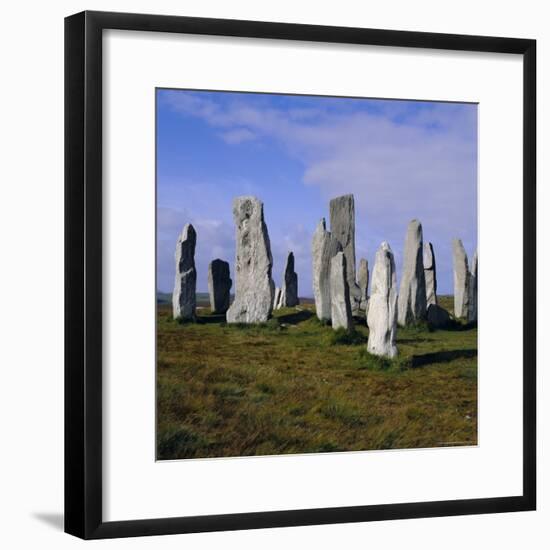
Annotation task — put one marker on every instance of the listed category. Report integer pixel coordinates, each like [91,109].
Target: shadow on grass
[441,357]
[297,317]
[455,326]
[213,318]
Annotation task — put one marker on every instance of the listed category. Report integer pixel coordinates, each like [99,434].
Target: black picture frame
[83,273]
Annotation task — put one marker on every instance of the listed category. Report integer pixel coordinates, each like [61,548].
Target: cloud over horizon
[400,159]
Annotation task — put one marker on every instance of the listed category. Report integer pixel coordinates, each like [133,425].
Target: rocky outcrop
[323,248]
[411,305]
[339,293]
[382,314]
[184,297]
[254,288]
[219,285]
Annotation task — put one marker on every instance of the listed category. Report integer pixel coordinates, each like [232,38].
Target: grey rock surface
[323,248]
[382,311]
[472,289]
[437,316]
[411,304]
[461,280]
[219,285]
[339,293]
[342,227]
[363,282]
[254,287]
[276,298]
[430,274]
[289,290]
[184,297]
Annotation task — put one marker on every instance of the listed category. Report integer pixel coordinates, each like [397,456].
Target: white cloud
[399,164]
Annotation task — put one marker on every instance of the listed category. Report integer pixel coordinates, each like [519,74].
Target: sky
[400,159]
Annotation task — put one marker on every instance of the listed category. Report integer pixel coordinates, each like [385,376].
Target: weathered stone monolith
[184,298]
[254,287]
[342,227]
[339,293]
[382,314]
[289,290]
[472,288]
[411,304]
[430,274]
[363,282]
[219,285]
[437,316]
[461,280]
[323,248]
[276,298]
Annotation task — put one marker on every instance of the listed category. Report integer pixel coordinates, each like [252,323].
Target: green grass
[293,385]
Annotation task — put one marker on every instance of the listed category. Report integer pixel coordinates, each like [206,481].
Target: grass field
[294,385]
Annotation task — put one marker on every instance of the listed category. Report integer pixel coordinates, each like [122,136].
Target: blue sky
[400,159]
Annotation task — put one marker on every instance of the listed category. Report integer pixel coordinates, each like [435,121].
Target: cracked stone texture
[472,289]
[289,290]
[411,303]
[254,287]
[339,293]
[323,248]
[219,285]
[461,280]
[430,274]
[363,282]
[382,313]
[184,299]
[342,227]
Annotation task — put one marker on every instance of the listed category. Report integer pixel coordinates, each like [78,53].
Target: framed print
[300,275]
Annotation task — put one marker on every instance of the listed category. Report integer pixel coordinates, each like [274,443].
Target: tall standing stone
[289,290]
[276,298]
[461,280]
[219,285]
[254,288]
[363,282]
[184,297]
[342,226]
[472,288]
[323,248]
[339,293]
[382,314]
[411,304]
[430,274]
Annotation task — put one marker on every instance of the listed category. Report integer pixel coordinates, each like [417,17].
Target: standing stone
[323,248]
[219,285]
[276,298]
[339,293]
[289,291]
[430,274]
[363,281]
[411,304]
[438,317]
[472,288]
[342,226]
[382,314]
[461,280]
[184,297]
[254,288]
